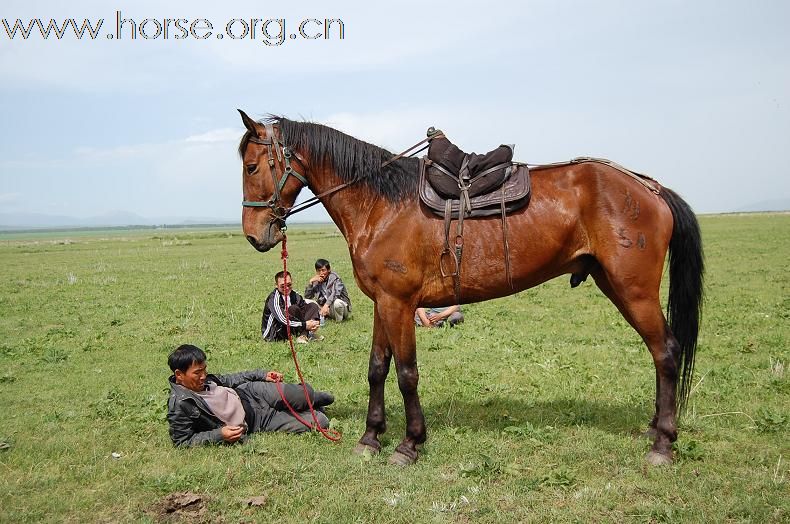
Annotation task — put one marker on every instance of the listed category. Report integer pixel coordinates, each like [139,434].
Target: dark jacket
[326,292]
[191,421]
[273,319]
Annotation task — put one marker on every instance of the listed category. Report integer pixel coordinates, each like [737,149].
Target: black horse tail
[686,270]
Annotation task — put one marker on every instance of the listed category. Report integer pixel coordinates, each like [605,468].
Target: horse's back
[601,199]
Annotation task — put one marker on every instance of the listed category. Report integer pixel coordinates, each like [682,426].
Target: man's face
[284,285]
[193,378]
[323,273]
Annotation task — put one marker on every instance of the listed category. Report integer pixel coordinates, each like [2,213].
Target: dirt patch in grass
[180,507]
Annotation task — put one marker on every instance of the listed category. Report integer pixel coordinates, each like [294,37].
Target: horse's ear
[249,123]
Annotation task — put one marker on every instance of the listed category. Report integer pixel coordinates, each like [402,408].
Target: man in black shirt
[303,317]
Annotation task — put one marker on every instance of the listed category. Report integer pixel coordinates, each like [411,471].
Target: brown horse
[584,219]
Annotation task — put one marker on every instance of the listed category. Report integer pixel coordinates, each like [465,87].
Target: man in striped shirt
[303,317]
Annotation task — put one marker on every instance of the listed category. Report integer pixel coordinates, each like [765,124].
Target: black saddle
[471,185]
[452,172]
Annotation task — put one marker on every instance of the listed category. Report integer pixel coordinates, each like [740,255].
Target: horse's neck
[349,207]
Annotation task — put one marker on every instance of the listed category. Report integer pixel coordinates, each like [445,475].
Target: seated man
[437,316]
[328,290]
[303,316]
[215,409]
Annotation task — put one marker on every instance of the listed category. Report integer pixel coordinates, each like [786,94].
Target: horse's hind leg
[378,369]
[640,306]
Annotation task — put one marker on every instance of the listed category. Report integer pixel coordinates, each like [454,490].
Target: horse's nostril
[251,240]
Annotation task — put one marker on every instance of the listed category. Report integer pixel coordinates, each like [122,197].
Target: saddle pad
[516,192]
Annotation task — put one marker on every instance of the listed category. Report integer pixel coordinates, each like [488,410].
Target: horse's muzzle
[257,245]
[269,238]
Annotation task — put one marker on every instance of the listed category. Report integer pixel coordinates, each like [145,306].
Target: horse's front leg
[378,369]
[398,320]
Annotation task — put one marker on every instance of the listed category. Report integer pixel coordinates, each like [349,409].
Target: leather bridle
[284,154]
[275,146]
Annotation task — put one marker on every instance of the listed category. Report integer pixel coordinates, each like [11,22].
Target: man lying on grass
[206,409]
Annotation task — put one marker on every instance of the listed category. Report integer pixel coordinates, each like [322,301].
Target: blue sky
[696,94]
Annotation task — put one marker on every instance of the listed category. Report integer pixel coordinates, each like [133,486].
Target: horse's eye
[251,168]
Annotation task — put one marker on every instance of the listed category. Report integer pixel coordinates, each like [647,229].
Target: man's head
[188,364]
[283,282]
[322,268]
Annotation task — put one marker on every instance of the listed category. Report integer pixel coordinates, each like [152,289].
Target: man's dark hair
[280,275]
[322,263]
[184,356]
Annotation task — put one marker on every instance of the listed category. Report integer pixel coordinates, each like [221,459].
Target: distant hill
[25,221]
[776,204]
[15,221]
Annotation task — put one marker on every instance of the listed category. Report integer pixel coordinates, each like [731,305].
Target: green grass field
[533,405]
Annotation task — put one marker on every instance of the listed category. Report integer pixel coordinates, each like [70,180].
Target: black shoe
[322,398]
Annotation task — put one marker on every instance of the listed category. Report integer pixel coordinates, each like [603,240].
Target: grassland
[533,405]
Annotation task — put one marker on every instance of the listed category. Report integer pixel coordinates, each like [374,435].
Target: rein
[432,133]
[330,434]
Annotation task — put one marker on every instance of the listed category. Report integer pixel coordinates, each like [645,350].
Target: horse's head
[271,182]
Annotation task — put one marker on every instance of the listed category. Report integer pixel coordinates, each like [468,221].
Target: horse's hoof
[361,448]
[655,458]
[400,459]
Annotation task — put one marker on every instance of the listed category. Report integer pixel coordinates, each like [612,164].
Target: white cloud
[473,127]
[204,142]
[118,153]
[223,135]
[9,198]
[391,129]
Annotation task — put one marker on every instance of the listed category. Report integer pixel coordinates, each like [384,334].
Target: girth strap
[505,244]
[454,255]
[464,183]
[459,249]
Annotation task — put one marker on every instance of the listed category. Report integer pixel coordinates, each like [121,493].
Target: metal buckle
[279,212]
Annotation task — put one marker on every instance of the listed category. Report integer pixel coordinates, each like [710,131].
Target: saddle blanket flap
[515,191]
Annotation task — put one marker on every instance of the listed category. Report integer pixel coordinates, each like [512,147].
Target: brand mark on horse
[392,265]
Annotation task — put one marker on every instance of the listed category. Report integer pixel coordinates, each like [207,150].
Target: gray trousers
[338,310]
[269,412]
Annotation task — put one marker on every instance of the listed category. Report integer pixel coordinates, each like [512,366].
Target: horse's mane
[349,157]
